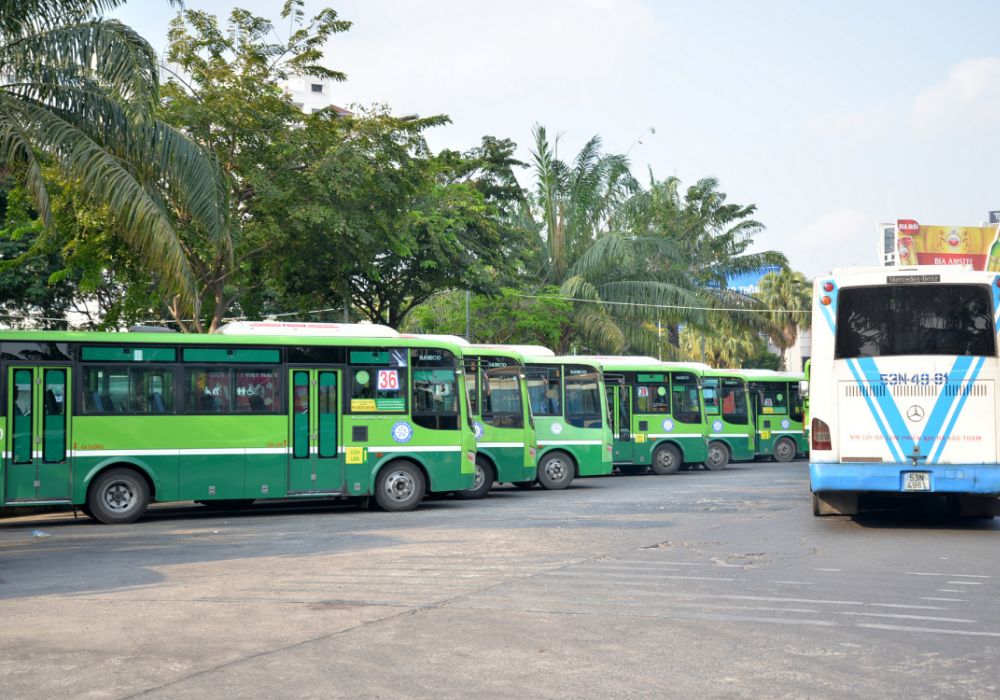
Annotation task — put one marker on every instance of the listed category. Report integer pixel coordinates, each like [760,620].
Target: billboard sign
[948,245]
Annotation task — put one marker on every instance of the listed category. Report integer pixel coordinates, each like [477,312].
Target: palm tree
[788,295]
[577,202]
[79,91]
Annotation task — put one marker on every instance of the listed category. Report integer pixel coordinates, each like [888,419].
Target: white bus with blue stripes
[903,388]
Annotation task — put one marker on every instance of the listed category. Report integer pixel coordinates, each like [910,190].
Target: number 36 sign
[388,380]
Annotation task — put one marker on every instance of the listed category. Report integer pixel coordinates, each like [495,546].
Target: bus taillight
[820,434]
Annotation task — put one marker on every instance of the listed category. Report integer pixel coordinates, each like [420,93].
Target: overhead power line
[663,306]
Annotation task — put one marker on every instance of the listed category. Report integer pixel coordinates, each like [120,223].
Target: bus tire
[666,460]
[555,471]
[718,456]
[632,469]
[524,484]
[974,506]
[835,504]
[399,486]
[484,481]
[784,450]
[118,496]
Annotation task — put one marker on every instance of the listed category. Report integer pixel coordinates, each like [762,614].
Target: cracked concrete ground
[716,584]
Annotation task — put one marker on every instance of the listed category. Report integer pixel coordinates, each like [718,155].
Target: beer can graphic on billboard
[907,251]
[993,262]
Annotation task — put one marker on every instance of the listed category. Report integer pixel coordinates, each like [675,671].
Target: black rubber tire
[784,450]
[718,456]
[632,469]
[118,496]
[399,486]
[485,476]
[524,484]
[556,471]
[666,460]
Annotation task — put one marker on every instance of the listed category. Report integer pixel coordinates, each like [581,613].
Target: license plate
[917,481]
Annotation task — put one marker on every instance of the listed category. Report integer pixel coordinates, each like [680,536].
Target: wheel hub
[399,486]
[119,497]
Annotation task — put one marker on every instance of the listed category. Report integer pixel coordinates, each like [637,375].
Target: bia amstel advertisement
[977,246]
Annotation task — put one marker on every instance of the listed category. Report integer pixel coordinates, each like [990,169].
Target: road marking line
[949,590]
[835,570]
[965,583]
[904,617]
[932,630]
[796,583]
[925,573]
[946,600]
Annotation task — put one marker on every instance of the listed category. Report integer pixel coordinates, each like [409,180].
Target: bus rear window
[935,319]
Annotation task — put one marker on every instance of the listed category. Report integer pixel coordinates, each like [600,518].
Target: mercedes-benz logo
[915,414]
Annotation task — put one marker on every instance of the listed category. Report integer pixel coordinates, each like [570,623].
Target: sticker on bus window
[785,424]
[717,426]
[388,380]
[362,377]
[769,402]
[477,427]
[390,404]
[363,405]
[661,391]
[668,425]
[768,409]
[643,392]
[355,455]
[556,428]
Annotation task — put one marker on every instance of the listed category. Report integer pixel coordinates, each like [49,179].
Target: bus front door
[37,440]
[315,464]
[622,423]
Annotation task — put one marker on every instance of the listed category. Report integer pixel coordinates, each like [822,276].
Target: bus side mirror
[804,389]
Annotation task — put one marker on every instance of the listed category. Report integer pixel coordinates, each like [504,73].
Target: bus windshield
[583,397]
[936,319]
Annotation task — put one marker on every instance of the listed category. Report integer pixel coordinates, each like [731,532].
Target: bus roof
[456,339]
[153,338]
[562,360]
[927,274]
[319,330]
[525,350]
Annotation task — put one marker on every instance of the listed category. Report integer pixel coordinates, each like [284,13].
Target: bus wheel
[524,484]
[399,486]
[555,471]
[118,496]
[718,457]
[666,460]
[483,483]
[784,450]
[632,469]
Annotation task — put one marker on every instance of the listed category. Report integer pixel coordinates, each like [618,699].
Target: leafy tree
[227,95]
[387,223]
[508,318]
[80,90]
[725,347]
[788,295]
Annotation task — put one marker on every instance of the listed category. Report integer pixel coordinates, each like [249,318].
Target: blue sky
[831,117]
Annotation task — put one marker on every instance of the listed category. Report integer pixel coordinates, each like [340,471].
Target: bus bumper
[890,478]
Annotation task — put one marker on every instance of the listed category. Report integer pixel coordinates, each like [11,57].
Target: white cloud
[968,98]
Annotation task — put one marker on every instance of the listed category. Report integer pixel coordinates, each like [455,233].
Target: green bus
[657,414]
[571,419]
[779,413]
[112,421]
[505,430]
[732,425]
